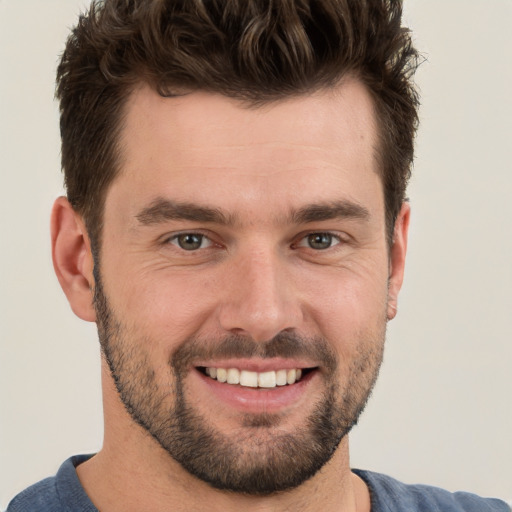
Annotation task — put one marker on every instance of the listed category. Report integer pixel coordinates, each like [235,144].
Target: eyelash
[306,238]
[201,236]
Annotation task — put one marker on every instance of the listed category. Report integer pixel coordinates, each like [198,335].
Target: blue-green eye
[319,241]
[191,241]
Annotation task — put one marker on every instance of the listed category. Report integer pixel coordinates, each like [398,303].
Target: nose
[260,298]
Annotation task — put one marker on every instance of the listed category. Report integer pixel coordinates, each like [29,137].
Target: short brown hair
[253,50]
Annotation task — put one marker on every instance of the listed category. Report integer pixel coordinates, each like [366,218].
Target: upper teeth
[269,379]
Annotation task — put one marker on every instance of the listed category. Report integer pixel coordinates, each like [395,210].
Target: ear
[397,258]
[72,258]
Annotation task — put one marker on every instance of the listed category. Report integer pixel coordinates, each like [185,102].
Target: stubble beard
[260,458]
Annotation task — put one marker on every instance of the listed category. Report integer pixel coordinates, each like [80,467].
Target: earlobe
[72,258]
[397,259]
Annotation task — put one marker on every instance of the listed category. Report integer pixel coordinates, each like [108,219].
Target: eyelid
[302,238]
[170,238]
[204,244]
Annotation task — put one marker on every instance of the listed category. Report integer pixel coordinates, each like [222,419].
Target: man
[236,225]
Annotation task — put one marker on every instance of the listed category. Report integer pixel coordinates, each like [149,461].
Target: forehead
[201,147]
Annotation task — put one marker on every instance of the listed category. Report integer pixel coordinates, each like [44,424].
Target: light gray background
[441,413]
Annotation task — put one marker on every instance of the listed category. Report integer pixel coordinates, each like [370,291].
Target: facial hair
[260,458]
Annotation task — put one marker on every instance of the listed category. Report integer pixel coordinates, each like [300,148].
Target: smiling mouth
[249,379]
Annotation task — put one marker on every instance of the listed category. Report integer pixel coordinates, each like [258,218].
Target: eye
[319,241]
[191,241]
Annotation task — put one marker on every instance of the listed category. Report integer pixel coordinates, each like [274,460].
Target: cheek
[349,305]
[165,308]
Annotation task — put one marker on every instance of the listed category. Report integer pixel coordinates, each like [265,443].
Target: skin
[255,277]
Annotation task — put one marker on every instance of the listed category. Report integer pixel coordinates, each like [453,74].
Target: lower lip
[258,400]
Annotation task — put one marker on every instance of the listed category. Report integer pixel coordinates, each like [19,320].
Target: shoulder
[60,493]
[41,496]
[390,495]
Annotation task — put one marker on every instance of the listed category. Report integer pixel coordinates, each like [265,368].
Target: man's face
[250,242]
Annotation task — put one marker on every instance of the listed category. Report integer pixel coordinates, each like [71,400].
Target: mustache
[283,345]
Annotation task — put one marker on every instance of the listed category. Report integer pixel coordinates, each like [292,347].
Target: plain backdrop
[441,413]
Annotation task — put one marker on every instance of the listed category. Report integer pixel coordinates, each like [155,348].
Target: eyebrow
[328,211]
[163,210]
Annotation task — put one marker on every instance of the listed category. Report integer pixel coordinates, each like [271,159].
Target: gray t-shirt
[64,493]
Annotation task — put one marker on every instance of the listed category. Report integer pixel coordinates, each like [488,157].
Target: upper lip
[258,365]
